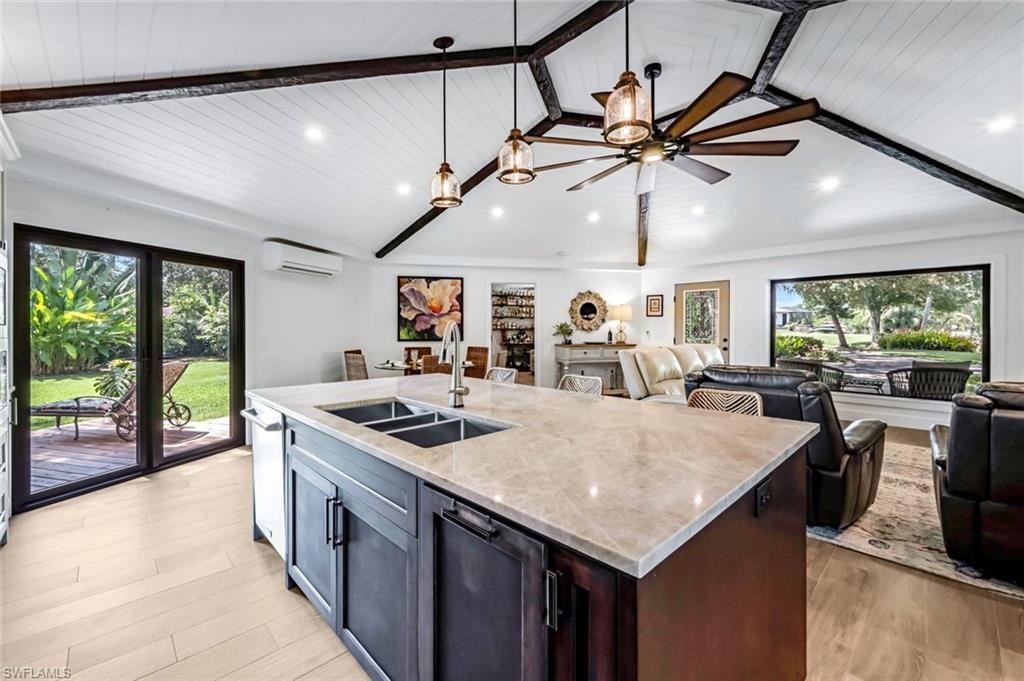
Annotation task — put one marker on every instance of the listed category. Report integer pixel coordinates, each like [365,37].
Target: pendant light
[627,113]
[515,158]
[445,190]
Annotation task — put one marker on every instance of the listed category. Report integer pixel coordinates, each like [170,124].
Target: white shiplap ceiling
[929,74]
[58,42]
[693,41]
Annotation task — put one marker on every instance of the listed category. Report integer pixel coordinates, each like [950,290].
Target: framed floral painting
[427,305]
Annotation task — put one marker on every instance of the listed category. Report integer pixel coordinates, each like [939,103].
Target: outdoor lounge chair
[120,411]
[930,380]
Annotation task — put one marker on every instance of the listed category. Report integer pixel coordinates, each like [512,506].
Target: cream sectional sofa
[657,372]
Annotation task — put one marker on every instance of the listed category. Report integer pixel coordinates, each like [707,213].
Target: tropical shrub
[926,340]
[116,378]
[197,321]
[82,309]
[800,346]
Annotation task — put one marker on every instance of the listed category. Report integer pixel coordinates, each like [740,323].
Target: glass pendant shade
[515,160]
[445,190]
[627,113]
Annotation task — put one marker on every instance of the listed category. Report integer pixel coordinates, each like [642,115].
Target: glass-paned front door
[83,346]
[197,335]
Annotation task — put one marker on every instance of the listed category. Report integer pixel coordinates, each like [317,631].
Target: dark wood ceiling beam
[901,152]
[787,5]
[541,75]
[782,38]
[577,26]
[479,176]
[154,89]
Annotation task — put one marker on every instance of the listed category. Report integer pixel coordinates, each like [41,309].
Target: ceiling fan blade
[600,176]
[569,140]
[717,95]
[643,211]
[645,175]
[568,164]
[601,97]
[800,111]
[698,169]
[773,148]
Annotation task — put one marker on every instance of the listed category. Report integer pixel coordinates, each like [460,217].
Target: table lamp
[622,314]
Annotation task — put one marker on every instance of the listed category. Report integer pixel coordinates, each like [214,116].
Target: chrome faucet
[451,353]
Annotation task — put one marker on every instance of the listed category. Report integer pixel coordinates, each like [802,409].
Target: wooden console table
[593,360]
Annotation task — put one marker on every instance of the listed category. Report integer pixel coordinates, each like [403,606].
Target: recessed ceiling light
[698,210]
[497,212]
[1001,124]
[828,184]
[403,188]
[593,216]
[314,134]
[593,490]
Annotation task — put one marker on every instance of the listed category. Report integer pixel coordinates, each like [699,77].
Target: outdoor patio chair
[120,411]
[835,378]
[930,380]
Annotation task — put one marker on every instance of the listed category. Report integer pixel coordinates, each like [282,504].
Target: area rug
[903,524]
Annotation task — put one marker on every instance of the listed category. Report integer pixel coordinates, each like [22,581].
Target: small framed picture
[656,306]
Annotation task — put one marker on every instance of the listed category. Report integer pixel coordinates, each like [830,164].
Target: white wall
[296,328]
[555,289]
[750,303]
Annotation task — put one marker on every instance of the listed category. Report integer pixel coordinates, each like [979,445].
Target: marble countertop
[624,482]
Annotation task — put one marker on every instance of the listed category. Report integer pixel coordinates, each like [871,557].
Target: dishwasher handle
[253,417]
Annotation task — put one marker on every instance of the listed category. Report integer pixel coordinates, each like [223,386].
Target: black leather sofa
[843,466]
[978,465]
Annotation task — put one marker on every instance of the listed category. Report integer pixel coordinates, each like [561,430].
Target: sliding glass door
[126,358]
[199,408]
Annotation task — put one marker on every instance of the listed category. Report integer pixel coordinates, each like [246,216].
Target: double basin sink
[417,424]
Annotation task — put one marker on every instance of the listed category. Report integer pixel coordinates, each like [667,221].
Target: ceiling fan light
[515,160]
[627,113]
[445,190]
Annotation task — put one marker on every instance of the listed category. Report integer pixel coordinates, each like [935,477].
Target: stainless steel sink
[416,424]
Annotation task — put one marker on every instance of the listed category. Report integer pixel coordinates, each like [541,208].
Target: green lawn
[203,387]
[831,342]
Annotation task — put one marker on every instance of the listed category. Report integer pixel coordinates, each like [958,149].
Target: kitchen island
[536,534]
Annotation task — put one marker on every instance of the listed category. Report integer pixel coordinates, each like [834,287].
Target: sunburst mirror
[588,311]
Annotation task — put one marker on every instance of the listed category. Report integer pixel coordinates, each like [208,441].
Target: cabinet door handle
[339,523]
[485,533]
[328,519]
[551,599]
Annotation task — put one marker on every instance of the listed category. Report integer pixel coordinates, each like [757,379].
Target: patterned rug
[903,524]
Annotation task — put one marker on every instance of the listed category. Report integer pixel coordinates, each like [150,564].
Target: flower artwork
[426,306]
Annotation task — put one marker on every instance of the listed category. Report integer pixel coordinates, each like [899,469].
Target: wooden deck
[58,459]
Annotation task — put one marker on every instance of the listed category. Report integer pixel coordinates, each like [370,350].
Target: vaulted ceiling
[930,76]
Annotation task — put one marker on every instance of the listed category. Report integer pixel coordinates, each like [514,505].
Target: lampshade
[627,113]
[515,160]
[621,313]
[445,190]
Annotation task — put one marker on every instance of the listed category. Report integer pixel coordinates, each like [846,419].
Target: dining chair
[502,375]
[732,401]
[412,354]
[573,383]
[355,365]
[430,364]
[479,356]
[501,359]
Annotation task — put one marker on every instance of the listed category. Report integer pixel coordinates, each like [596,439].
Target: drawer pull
[485,533]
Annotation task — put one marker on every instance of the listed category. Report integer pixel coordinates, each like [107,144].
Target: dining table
[402,365]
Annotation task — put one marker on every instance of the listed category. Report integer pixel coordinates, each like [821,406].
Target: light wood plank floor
[158,579]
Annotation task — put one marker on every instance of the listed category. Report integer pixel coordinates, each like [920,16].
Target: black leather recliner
[978,465]
[843,466]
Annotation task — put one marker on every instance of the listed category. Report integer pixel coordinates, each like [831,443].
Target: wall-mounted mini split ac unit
[282,257]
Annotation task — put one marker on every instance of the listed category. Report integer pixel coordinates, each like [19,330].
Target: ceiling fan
[674,146]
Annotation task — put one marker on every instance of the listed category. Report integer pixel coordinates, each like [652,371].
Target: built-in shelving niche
[513,328]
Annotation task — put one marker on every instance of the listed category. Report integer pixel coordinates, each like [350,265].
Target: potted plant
[564,329]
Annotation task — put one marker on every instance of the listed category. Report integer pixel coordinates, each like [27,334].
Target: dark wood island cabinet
[551,537]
